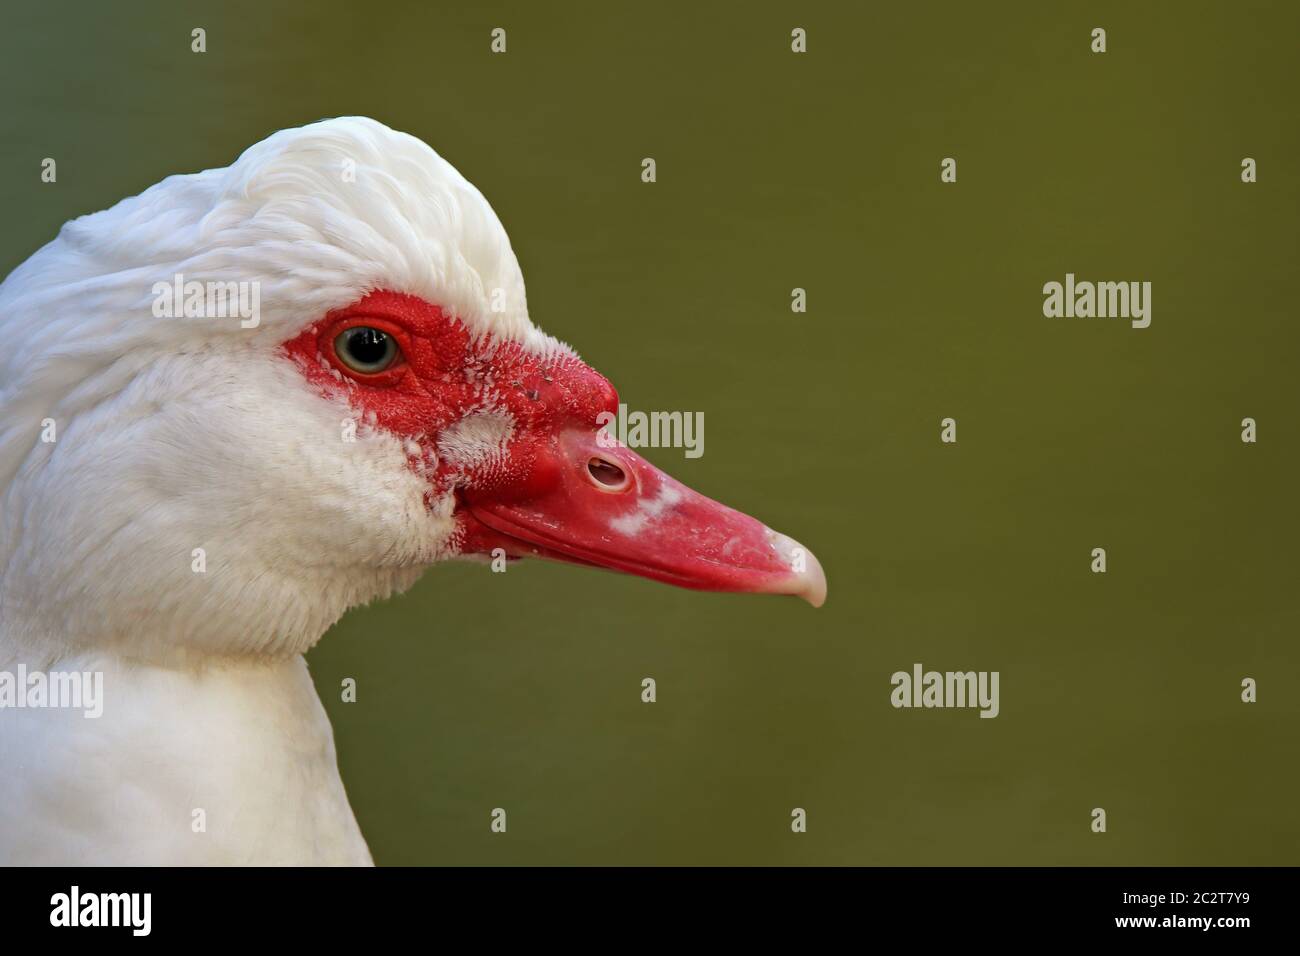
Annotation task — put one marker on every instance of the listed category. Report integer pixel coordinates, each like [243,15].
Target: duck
[237,405]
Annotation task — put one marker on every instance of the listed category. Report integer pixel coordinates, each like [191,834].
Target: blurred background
[818,171]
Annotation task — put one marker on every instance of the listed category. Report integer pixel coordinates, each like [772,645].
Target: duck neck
[229,760]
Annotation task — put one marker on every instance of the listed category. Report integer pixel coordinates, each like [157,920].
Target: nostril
[607,475]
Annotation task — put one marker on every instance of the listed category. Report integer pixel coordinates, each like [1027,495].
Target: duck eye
[366,350]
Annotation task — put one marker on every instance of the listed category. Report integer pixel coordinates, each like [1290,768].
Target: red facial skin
[558,492]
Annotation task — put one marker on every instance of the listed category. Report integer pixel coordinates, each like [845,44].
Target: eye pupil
[365,349]
[367,346]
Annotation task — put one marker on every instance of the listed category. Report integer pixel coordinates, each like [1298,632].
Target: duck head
[250,398]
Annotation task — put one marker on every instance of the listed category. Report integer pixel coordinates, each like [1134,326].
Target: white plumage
[177,434]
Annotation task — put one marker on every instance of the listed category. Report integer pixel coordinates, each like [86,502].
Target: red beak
[608,507]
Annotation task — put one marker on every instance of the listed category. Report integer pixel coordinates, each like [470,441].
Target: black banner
[980,905]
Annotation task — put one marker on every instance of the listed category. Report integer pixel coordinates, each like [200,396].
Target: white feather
[182,434]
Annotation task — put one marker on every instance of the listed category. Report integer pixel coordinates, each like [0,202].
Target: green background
[819,171]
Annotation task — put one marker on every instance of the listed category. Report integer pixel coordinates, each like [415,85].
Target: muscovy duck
[235,406]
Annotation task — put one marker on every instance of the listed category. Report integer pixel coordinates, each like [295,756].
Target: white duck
[389,297]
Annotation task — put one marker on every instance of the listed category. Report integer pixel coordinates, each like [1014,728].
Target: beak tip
[814,583]
[808,580]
